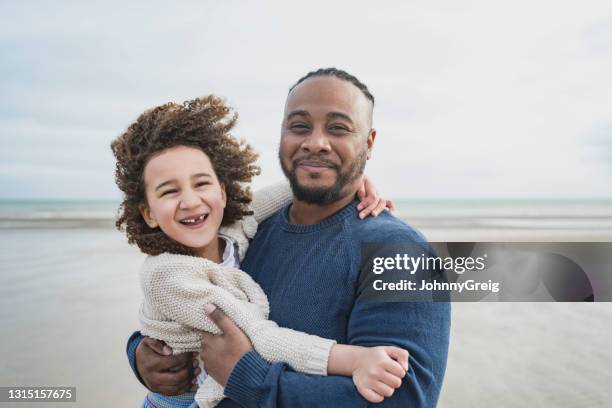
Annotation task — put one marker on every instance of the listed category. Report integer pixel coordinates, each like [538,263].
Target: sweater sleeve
[180,291]
[270,200]
[266,202]
[421,328]
[130,349]
[180,286]
[303,352]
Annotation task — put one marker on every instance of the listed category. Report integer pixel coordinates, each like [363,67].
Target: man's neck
[303,213]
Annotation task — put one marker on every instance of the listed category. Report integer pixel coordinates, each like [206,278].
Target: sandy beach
[70,296]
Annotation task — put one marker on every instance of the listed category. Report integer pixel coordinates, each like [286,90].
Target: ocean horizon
[439,219]
[109,207]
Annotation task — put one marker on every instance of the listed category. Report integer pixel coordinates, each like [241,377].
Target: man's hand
[163,372]
[220,353]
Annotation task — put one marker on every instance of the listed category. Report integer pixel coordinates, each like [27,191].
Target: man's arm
[157,368]
[420,328]
[132,344]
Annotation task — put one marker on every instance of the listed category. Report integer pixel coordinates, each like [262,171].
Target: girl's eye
[167,192]
[202,183]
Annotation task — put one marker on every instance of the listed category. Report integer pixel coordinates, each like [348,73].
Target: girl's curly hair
[202,123]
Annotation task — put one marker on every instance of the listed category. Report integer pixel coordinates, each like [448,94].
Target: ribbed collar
[336,218]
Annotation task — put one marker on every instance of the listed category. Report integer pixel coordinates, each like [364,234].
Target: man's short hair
[340,74]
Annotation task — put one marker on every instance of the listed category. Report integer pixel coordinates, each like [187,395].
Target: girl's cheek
[168,209]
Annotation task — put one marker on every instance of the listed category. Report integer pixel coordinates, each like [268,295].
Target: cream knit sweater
[176,288]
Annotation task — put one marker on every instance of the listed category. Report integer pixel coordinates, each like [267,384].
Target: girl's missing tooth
[186,205]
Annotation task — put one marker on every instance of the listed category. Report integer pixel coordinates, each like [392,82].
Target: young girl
[186,205]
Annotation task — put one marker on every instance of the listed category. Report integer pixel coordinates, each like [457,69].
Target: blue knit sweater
[310,275]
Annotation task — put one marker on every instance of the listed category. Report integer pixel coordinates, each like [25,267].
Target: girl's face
[184,198]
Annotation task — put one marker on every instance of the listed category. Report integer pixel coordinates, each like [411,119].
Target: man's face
[325,139]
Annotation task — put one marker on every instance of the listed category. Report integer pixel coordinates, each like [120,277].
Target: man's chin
[316,193]
[316,179]
[314,185]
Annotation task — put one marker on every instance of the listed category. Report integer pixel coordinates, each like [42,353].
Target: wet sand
[69,299]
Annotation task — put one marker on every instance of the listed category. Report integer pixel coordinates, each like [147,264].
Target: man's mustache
[315,160]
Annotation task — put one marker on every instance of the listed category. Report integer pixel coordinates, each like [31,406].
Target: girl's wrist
[344,359]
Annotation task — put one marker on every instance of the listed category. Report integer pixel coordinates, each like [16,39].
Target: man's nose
[316,142]
[189,199]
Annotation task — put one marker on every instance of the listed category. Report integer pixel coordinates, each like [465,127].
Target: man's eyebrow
[334,115]
[172,181]
[297,113]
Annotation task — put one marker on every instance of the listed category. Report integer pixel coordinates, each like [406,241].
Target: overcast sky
[475,99]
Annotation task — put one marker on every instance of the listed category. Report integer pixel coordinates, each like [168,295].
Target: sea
[440,220]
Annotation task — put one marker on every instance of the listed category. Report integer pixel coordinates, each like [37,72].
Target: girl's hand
[371,203]
[378,371]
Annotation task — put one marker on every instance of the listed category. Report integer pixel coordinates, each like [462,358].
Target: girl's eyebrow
[160,185]
[201,175]
[163,184]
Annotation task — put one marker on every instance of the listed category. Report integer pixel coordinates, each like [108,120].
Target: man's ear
[147,216]
[370,141]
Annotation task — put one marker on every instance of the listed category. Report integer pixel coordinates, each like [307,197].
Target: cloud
[474,99]
[600,142]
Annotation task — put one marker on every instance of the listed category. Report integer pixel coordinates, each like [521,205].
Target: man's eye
[167,192]
[338,128]
[299,126]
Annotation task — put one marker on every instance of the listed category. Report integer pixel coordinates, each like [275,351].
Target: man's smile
[314,166]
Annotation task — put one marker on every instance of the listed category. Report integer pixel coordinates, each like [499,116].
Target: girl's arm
[180,286]
[271,199]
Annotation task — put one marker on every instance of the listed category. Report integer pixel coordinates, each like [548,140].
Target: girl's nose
[189,199]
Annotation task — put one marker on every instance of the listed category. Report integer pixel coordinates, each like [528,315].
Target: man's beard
[324,195]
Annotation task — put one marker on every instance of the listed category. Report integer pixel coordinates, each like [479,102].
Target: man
[307,260]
